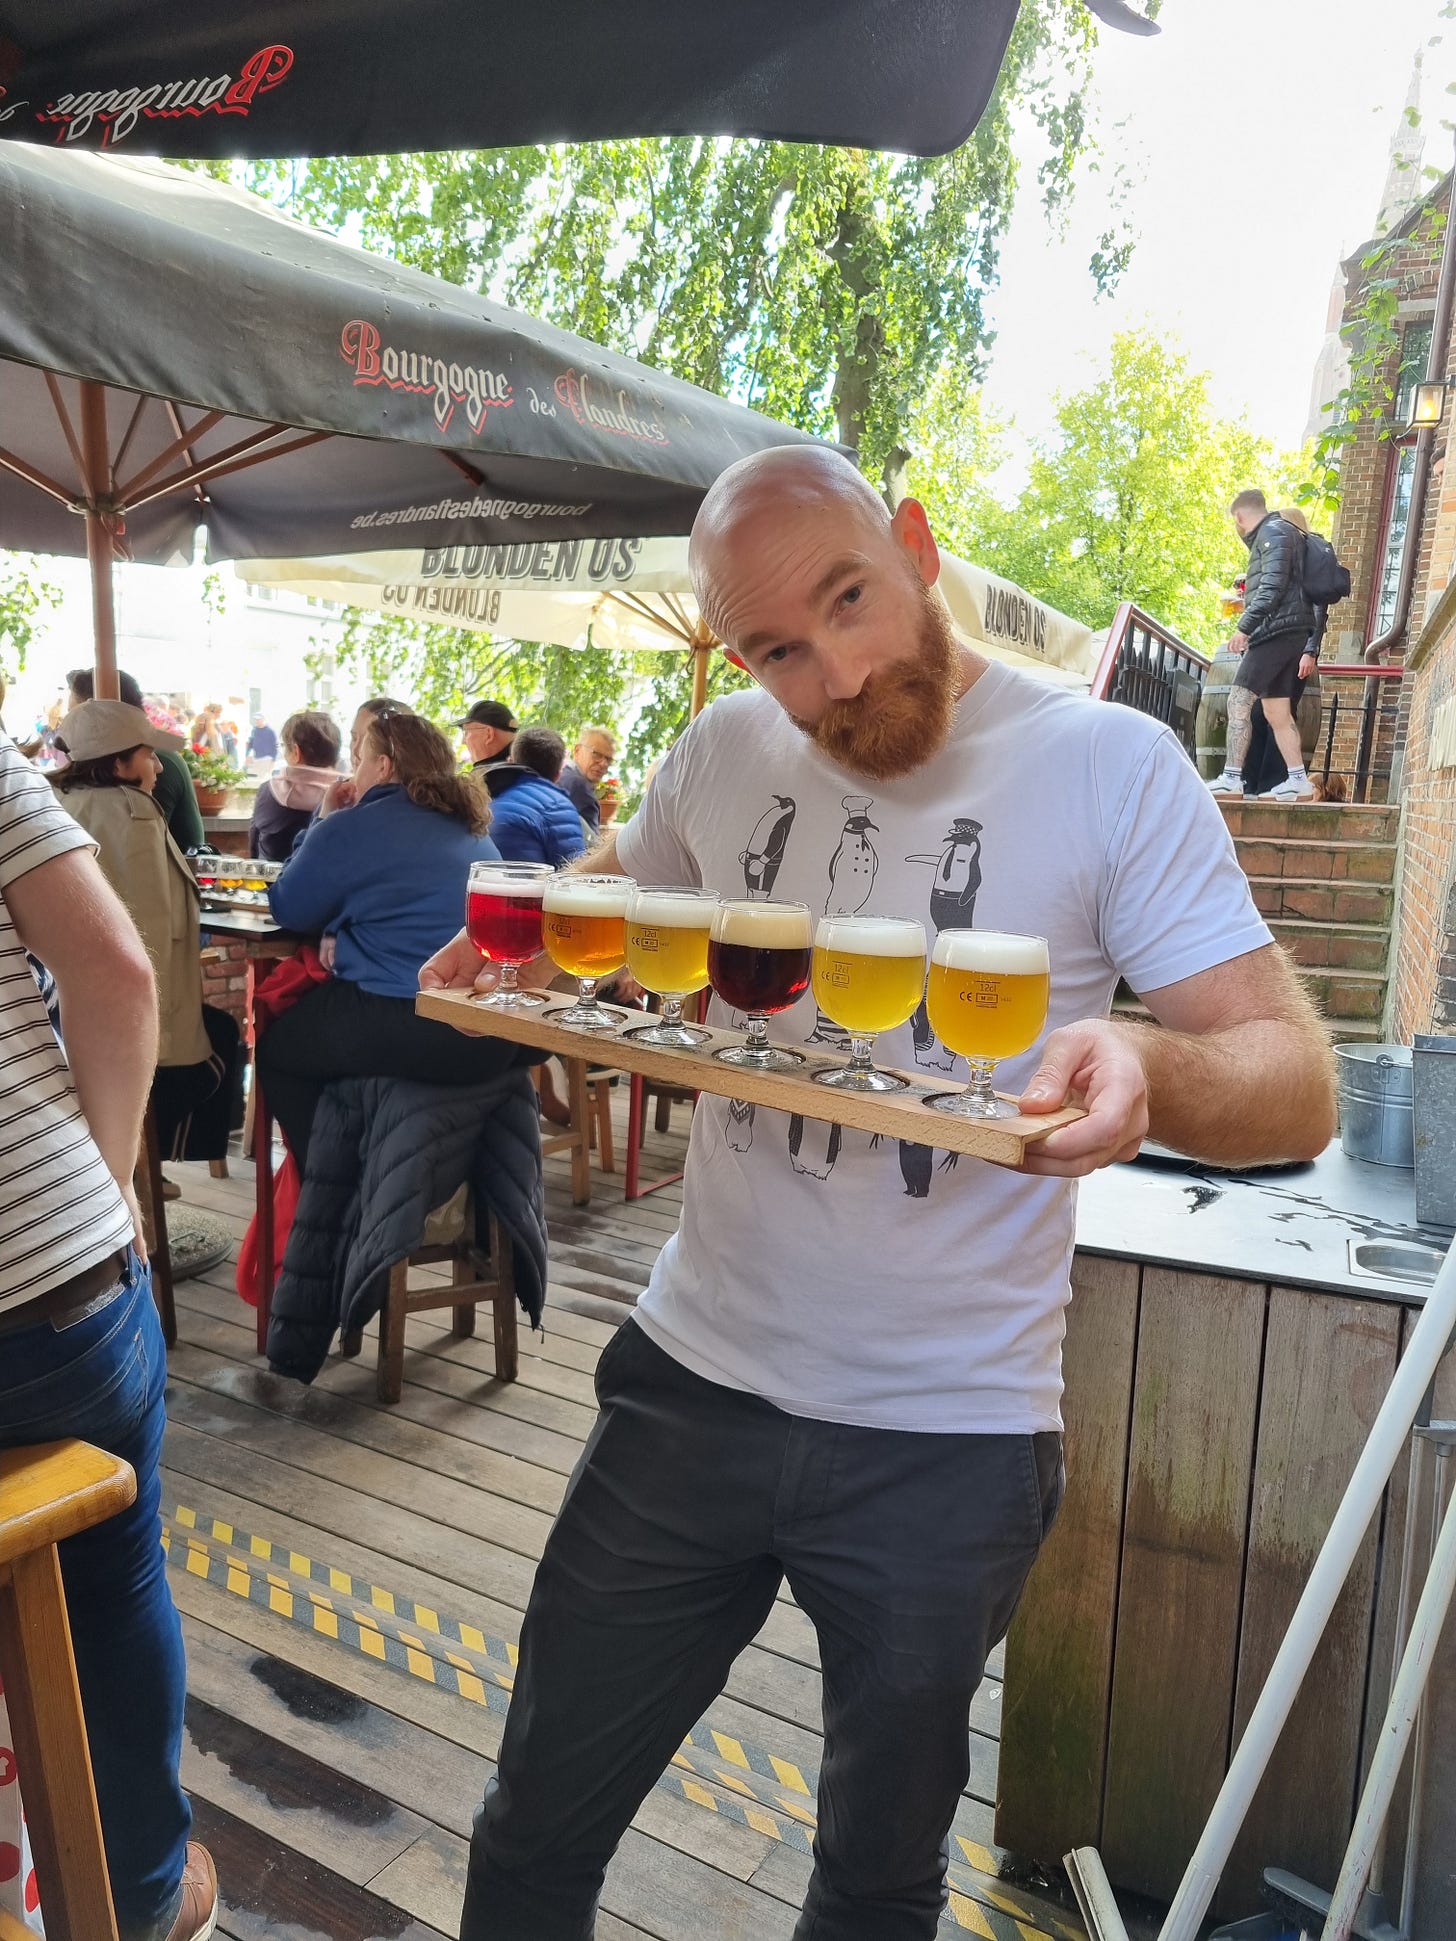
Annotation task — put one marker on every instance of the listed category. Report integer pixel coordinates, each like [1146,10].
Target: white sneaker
[1226,784]
[1288,792]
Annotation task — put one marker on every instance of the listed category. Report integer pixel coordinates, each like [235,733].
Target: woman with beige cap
[107,787]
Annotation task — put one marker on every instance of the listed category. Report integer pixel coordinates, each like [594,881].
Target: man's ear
[911,529]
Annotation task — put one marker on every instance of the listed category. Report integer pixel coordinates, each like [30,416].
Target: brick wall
[1364,480]
[225,976]
[1424,995]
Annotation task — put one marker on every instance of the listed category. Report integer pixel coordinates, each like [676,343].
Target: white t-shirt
[60,1209]
[859,1280]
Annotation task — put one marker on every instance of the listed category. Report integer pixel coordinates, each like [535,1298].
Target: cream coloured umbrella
[634,594]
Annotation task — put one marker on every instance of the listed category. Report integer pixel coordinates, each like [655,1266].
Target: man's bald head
[787,482]
[826,599]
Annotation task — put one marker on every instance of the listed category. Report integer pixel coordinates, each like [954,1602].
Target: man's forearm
[1258,1092]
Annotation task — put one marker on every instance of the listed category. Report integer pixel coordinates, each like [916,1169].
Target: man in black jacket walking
[1274,631]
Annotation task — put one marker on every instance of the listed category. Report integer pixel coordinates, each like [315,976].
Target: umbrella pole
[703,644]
[99,550]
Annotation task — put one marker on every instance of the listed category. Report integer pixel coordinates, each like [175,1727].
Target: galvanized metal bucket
[1434,1072]
[1375,1103]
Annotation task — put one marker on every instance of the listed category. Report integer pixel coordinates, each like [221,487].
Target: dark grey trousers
[691,1503]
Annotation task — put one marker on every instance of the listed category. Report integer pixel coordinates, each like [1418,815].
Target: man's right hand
[458,968]
[139,1231]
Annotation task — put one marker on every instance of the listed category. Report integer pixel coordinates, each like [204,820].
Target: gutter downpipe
[1436,366]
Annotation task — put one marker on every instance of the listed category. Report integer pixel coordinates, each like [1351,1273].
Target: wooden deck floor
[352,1579]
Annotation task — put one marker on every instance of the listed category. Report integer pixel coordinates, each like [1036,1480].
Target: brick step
[1313,821]
[1345,993]
[1340,1031]
[1330,862]
[1334,946]
[1306,900]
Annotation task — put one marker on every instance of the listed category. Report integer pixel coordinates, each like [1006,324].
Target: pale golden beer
[869,972]
[584,924]
[988,993]
[667,941]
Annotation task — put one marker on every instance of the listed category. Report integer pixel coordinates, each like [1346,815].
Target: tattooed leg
[1240,728]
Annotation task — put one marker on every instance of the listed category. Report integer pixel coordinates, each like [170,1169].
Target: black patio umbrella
[175,353]
[298,77]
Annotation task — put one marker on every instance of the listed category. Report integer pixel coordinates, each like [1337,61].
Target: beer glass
[584,928]
[503,921]
[667,952]
[869,977]
[987,999]
[759,958]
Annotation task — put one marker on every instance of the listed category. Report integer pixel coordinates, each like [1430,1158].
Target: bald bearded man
[846,1371]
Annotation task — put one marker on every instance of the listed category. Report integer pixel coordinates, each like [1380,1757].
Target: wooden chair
[148,1182]
[48,1493]
[589,1103]
[449,1236]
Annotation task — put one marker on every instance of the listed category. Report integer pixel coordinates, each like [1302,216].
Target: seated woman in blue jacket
[386,873]
[533,820]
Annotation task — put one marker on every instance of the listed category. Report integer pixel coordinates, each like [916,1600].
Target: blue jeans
[104,1380]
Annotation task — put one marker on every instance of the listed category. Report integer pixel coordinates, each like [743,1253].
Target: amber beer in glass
[584,928]
[987,999]
[869,977]
[667,953]
[759,958]
[503,921]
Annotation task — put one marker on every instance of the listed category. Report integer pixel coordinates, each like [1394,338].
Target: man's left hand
[1238,643]
[1095,1064]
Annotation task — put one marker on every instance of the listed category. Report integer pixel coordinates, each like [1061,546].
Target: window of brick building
[1415,351]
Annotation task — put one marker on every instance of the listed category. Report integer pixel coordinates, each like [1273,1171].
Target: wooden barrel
[1211,730]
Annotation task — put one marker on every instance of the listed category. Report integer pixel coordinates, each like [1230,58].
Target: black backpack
[1326,581]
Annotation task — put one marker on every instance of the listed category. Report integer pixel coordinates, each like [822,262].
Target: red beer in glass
[503,921]
[759,959]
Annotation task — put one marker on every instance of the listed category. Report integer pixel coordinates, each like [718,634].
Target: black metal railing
[1146,666]
[1360,706]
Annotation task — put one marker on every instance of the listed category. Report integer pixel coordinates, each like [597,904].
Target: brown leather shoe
[198,1916]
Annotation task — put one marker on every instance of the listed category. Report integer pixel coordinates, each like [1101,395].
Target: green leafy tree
[26,597]
[1128,500]
[824,286]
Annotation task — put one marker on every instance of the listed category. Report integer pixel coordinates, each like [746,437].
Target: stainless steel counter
[1292,1226]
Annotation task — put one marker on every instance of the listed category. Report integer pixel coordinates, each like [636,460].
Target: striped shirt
[60,1209]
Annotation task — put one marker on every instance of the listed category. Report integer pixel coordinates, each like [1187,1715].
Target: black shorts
[1270,668]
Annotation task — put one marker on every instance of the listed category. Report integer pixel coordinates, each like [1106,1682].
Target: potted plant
[213,776]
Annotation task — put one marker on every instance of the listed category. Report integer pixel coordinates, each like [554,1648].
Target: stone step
[1334,946]
[1332,862]
[1313,821]
[1323,901]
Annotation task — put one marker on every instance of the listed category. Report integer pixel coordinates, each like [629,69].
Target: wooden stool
[449,1235]
[589,1103]
[48,1493]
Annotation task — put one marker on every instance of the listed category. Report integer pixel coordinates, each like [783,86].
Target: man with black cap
[487,731]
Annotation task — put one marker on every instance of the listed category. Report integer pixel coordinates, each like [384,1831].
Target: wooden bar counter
[1223,1365]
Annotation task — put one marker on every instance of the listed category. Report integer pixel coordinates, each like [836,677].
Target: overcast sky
[1256,135]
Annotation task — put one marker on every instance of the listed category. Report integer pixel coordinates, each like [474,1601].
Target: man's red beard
[901,717]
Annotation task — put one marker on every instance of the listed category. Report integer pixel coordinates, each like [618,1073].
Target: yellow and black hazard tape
[724,1775]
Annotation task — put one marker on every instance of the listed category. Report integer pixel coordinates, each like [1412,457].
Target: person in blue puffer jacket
[534,821]
[384,869]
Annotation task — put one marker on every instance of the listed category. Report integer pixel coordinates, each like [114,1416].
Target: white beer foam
[992,951]
[669,912]
[762,926]
[572,897]
[513,886]
[871,936]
